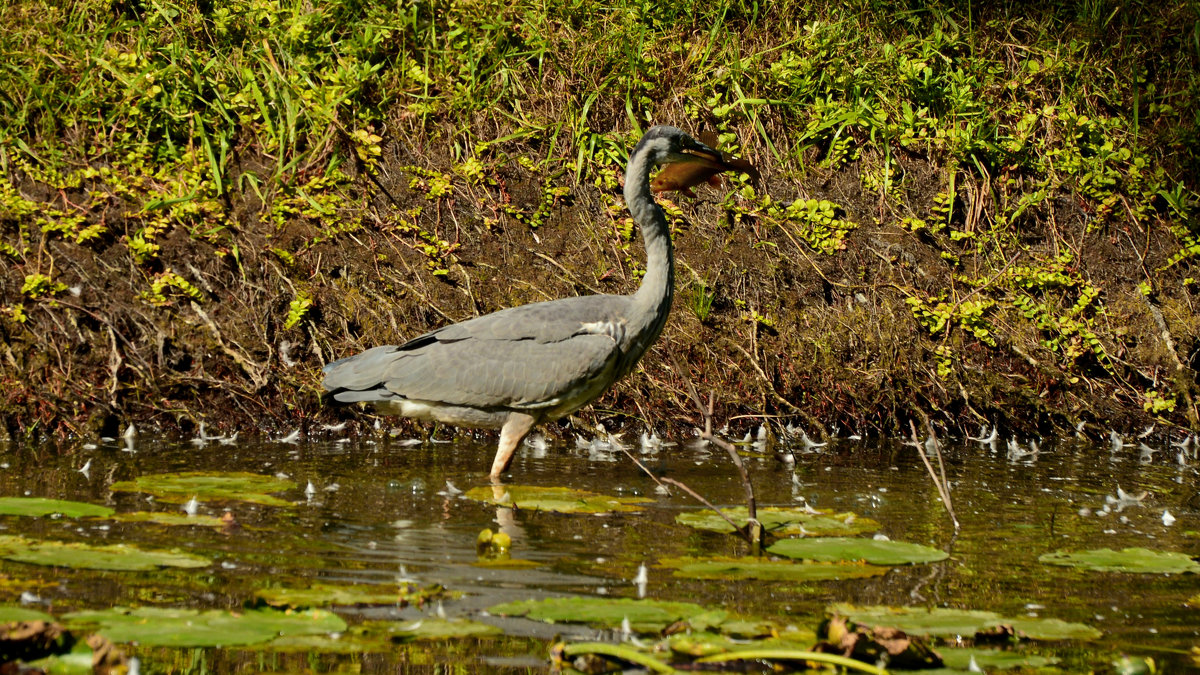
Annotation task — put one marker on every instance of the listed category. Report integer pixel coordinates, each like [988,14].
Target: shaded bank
[970,218]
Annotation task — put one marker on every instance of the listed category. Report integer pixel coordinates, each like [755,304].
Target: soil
[836,347]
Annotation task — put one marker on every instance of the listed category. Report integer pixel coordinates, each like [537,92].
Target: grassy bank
[968,214]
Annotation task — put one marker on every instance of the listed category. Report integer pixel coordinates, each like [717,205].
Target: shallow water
[382,512]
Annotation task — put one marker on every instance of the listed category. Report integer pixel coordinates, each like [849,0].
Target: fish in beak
[701,164]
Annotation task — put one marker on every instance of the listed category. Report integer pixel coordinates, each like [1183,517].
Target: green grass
[1000,142]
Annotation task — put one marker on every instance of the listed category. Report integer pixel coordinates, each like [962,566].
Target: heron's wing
[550,321]
[532,356]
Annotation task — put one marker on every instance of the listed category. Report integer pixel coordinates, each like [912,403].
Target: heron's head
[668,145]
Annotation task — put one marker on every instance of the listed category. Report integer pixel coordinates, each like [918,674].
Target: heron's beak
[704,154]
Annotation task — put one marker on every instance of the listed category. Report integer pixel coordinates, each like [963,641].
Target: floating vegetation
[165,627]
[381,636]
[431,629]
[116,557]
[597,657]
[324,595]
[9,614]
[646,616]
[39,506]
[1138,560]
[232,486]
[557,499]
[767,570]
[783,521]
[876,552]
[952,623]
[170,518]
[960,658]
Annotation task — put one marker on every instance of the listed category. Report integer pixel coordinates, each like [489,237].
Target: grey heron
[534,363]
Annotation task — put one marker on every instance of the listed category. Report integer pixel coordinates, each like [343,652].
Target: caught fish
[683,176]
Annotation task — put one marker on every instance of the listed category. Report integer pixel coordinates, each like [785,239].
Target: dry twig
[943,487]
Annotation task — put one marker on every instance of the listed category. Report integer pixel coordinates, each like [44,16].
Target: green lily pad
[9,614]
[1052,629]
[232,486]
[643,615]
[557,499]
[940,621]
[697,644]
[832,549]
[1140,560]
[119,557]
[946,622]
[353,641]
[40,506]
[767,570]
[783,521]
[323,595]
[381,636]
[162,627]
[959,658]
[431,629]
[169,518]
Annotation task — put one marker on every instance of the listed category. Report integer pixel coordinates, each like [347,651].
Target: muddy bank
[775,328]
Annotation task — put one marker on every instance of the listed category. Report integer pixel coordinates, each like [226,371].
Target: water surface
[383,511]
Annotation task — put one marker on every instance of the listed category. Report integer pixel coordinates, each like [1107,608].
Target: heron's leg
[514,429]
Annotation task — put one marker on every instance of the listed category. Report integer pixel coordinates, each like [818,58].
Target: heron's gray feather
[530,356]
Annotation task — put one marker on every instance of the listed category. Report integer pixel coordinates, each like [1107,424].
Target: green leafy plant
[298,309]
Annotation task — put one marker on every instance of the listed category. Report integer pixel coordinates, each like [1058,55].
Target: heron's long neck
[652,302]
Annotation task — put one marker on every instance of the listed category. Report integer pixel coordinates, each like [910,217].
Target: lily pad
[381,636]
[643,615]
[162,627]
[697,644]
[783,521]
[323,595]
[170,519]
[767,570]
[353,641]
[959,658]
[832,549]
[942,622]
[431,629]
[1051,629]
[10,614]
[557,499]
[119,557]
[40,506]
[946,622]
[232,486]
[1140,560]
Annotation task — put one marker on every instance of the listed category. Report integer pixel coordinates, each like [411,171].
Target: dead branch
[753,531]
[942,486]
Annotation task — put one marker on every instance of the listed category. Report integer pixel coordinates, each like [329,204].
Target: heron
[531,364]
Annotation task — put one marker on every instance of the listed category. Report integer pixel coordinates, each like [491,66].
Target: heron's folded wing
[531,356]
[494,373]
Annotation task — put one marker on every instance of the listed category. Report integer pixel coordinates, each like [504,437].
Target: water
[383,512]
